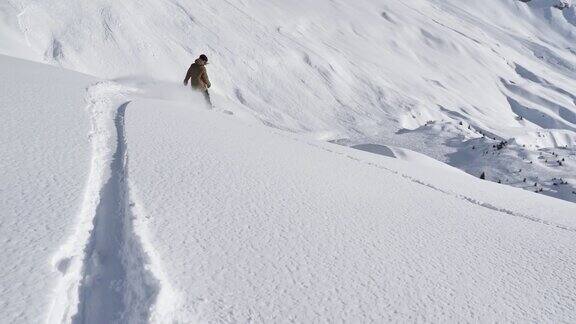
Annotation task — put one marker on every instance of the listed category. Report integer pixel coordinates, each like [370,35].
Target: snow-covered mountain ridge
[429,75]
[558,4]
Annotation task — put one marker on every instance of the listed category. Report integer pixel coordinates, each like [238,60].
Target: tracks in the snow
[108,286]
[105,267]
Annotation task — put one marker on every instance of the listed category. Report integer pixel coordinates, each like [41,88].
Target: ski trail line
[109,270]
[107,293]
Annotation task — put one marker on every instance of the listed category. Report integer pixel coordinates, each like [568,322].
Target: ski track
[107,268]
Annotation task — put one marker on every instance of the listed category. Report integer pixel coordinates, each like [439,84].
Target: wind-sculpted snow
[355,72]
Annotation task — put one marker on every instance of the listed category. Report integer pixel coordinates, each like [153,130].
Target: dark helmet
[204,58]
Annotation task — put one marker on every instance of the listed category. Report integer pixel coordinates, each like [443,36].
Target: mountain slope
[260,225]
[128,201]
[126,208]
[431,76]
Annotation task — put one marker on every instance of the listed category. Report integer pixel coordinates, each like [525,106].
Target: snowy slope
[259,225]
[172,213]
[301,196]
[429,75]
[44,167]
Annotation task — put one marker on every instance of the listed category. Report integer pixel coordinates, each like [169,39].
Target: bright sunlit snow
[336,178]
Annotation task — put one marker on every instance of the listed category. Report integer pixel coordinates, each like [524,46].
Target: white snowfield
[44,163]
[174,213]
[299,197]
[258,225]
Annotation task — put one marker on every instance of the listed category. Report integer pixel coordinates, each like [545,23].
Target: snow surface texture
[44,163]
[127,201]
[260,225]
[250,223]
[451,79]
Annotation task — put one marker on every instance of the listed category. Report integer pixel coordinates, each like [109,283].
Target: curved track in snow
[113,255]
[107,275]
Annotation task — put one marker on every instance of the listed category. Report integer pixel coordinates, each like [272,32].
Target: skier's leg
[207,97]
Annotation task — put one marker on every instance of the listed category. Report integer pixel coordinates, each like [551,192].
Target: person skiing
[199,77]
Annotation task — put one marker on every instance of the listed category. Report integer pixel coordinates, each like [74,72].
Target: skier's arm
[205,79]
[188,75]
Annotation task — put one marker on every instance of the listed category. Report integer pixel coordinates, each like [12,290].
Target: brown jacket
[198,76]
